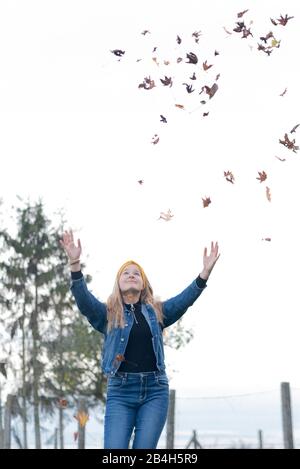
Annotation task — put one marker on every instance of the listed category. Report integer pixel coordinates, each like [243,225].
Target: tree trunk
[36,373]
[24,413]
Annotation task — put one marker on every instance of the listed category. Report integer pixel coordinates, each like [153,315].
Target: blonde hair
[115,304]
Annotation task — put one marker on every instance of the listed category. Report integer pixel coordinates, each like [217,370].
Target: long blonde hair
[115,304]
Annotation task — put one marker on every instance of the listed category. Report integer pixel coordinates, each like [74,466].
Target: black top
[139,353]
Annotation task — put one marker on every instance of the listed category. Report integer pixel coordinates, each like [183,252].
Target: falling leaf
[140,181]
[167,81]
[290,144]
[280,159]
[179,59]
[205,66]
[178,39]
[262,176]
[282,20]
[147,84]
[82,418]
[155,139]
[216,52]
[266,239]
[62,403]
[167,216]
[241,13]
[275,43]
[193,77]
[205,114]
[155,60]
[283,93]
[75,435]
[268,193]
[226,30]
[294,128]
[210,91]
[229,176]
[118,52]
[206,201]
[196,35]
[163,119]
[193,59]
[189,88]
[166,62]
[180,106]
[145,32]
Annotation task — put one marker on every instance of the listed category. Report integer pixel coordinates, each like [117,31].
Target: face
[130,280]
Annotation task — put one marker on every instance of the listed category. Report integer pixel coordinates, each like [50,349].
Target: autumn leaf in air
[189,88]
[283,93]
[147,84]
[226,30]
[118,52]
[62,403]
[193,59]
[163,119]
[205,114]
[262,176]
[216,52]
[180,106]
[155,139]
[140,181]
[75,436]
[179,59]
[178,39]
[211,91]
[205,66]
[145,32]
[82,418]
[266,239]
[290,144]
[196,35]
[241,13]
[294,128]
[268,193]
[167,81]
[206,201]
[280,159]
[167,216]
[282,20]
[229,176]
[193,77]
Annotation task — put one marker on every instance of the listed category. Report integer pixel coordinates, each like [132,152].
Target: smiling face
[131,280]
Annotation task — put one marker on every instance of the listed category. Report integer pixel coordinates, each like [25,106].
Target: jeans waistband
[154,374]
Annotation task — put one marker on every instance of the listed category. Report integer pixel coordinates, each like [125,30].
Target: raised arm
[87,303]
[175,307]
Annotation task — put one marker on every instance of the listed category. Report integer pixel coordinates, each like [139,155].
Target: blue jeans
[136,401]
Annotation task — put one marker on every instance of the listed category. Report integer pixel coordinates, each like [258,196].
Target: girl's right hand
[73,252]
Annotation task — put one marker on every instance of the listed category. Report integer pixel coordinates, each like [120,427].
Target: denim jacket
[115,341]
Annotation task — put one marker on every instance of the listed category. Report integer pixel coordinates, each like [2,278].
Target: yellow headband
[126,264]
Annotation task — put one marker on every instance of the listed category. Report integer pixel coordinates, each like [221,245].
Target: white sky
[76,131]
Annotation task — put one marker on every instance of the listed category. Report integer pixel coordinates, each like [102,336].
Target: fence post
[82,409]
[7,421]
[287,416]
[260,439]
[171,420]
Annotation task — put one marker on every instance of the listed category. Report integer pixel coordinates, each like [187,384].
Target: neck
[131,298]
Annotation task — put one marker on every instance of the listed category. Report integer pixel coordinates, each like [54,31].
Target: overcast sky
[76,130]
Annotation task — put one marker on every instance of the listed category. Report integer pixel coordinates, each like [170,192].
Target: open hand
[67,242]
[209,260]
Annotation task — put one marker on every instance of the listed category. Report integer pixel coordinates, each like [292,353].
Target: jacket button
[126,325]
[122,340]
